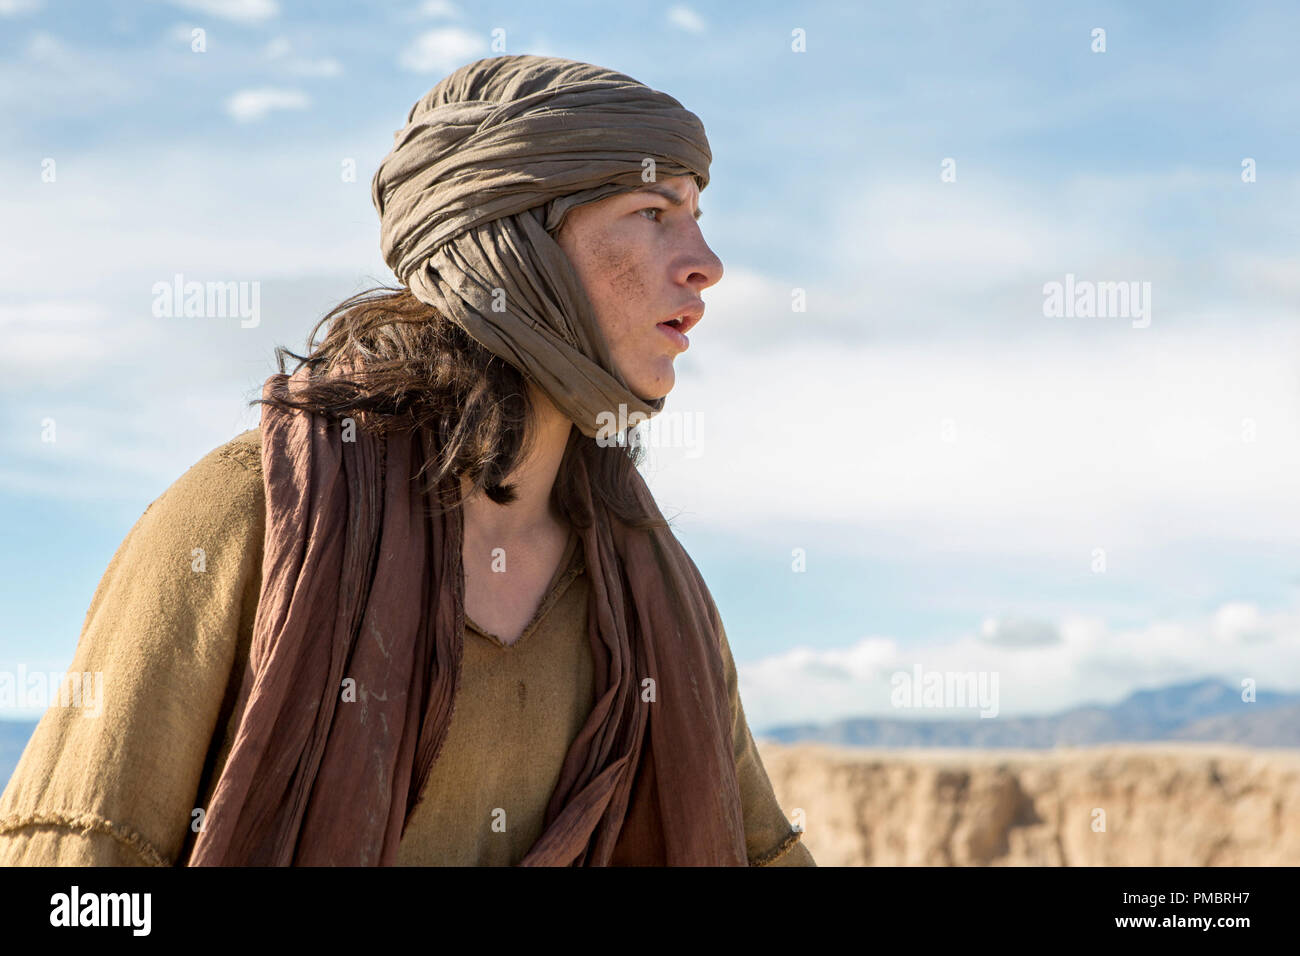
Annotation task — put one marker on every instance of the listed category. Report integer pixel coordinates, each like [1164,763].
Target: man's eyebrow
[661,190]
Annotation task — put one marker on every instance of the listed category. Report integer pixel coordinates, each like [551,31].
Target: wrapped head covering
[480,179]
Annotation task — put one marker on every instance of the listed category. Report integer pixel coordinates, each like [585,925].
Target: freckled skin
[639,268]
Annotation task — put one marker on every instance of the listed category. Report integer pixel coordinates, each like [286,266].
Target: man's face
[643,261]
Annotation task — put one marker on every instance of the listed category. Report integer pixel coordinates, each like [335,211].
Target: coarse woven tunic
[126,787]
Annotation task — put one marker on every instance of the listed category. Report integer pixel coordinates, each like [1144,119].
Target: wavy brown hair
[420,370]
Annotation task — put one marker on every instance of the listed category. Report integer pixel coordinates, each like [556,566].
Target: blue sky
[947,456]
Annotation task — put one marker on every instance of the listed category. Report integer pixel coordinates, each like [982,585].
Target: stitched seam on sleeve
[87,823]
[781,849]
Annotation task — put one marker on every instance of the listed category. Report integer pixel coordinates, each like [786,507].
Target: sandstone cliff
[1164,805]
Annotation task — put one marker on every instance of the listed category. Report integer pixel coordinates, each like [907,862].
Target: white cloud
[73,82]
[14,8]
[686,19]
[1091,663]
[48,50]
[1018,632]
[240,11]
[902,254]
[1036,446]
[64,338]
[1239,623]
[749,309]
[241,211]
[442,50]
[438,9]
[279,50]
[247,106]
[1271,275]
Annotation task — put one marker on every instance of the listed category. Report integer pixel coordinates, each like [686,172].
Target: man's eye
[654,209]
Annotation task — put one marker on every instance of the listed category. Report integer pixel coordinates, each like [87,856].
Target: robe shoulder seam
[245,452]
[84,823]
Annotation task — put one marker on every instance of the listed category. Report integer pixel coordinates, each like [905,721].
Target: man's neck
[532,479]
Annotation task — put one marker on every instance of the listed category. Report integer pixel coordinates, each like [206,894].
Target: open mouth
[675,329]
[683,322]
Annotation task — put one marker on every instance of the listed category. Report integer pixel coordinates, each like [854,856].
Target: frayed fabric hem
[87,823]
[767,859]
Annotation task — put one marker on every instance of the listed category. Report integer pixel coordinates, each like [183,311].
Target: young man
[311,659]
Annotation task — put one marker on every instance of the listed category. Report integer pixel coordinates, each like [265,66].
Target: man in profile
[441,622]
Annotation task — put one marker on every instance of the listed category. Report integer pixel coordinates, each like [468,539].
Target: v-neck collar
[572,563]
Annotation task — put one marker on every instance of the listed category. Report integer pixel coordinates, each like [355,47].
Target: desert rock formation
[1164,805]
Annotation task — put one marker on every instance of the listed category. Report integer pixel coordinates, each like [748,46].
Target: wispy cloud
[1090,662]
[16,8]
[248,106]
[240,11]
[280,52]
[685,18]
[1019,632]
[442,50]
[70,334]
[438,9]
[72,79]
[46,49]
[119,208]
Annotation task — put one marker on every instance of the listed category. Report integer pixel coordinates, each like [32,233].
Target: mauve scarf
[362,583]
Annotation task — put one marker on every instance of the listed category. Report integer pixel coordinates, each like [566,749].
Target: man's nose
[702,267]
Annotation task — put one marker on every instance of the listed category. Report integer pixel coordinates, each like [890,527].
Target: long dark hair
[407,366]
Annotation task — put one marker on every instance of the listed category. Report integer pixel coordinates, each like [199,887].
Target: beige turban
[481,177]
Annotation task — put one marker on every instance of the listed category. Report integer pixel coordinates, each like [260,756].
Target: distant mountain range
[1206,710]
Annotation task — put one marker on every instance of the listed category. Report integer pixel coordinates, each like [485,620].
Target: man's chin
[655,392]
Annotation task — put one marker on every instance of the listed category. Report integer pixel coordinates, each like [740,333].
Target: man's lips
[685,318]
[680,340]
